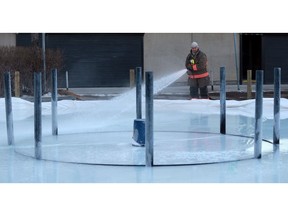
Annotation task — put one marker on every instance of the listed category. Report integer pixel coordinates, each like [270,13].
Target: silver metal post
[222,100]
[67,80]
[37,114]
[236,62]
[138,92]
[149,139]
[258,114]
[212,80]
[277,96]
[44,59]
[8,106]
[54,102]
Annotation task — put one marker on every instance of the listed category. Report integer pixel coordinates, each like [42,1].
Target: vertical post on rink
[149,118]
[8,106]
[277,96]
[67,80]
[258,114]
[54,100]
[37,114]
[138,92]
[222,100]
[139,123]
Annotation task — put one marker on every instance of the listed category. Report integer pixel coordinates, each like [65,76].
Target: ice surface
[186,132]
[84,123]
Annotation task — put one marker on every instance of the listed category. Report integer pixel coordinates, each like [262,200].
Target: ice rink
[94,145]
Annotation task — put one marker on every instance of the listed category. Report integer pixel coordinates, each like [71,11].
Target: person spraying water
[198,76]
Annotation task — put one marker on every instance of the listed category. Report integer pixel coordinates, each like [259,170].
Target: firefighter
[198,76]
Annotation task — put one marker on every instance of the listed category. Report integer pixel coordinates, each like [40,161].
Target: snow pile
[111,109]
[243,108]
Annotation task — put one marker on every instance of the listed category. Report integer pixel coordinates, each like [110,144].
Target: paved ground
[176,91]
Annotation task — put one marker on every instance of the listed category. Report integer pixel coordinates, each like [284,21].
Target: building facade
[104,60]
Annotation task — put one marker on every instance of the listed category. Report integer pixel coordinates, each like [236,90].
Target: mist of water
[121,108]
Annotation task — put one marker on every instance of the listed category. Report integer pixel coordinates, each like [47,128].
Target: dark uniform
[198,76]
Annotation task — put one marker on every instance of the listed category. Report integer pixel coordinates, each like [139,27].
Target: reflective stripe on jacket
[197,76]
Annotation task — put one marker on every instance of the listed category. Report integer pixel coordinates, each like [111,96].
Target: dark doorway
[250,54]
[264,52]
[275,54]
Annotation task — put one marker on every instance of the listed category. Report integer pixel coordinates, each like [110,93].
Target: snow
[23,109]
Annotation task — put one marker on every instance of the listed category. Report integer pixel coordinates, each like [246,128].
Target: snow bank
[23,109]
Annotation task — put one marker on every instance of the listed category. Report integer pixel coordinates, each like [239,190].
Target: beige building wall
[165,53]
[7,39]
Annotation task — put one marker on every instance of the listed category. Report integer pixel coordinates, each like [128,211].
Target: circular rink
[170,148]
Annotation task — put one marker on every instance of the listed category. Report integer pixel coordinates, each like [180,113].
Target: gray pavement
[177,90]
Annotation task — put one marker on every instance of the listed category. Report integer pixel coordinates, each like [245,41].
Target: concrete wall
[7,39]
[165,53]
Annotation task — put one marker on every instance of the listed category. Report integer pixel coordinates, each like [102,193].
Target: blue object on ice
[139,131]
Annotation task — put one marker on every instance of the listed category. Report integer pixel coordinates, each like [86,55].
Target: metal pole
[37,114]
[277,96]
[212,80]
[222,100]
[8,106]
[54,103]
[258,114]
[149,118]
[44,60]
[138,92]
[67,80]
[236,62]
